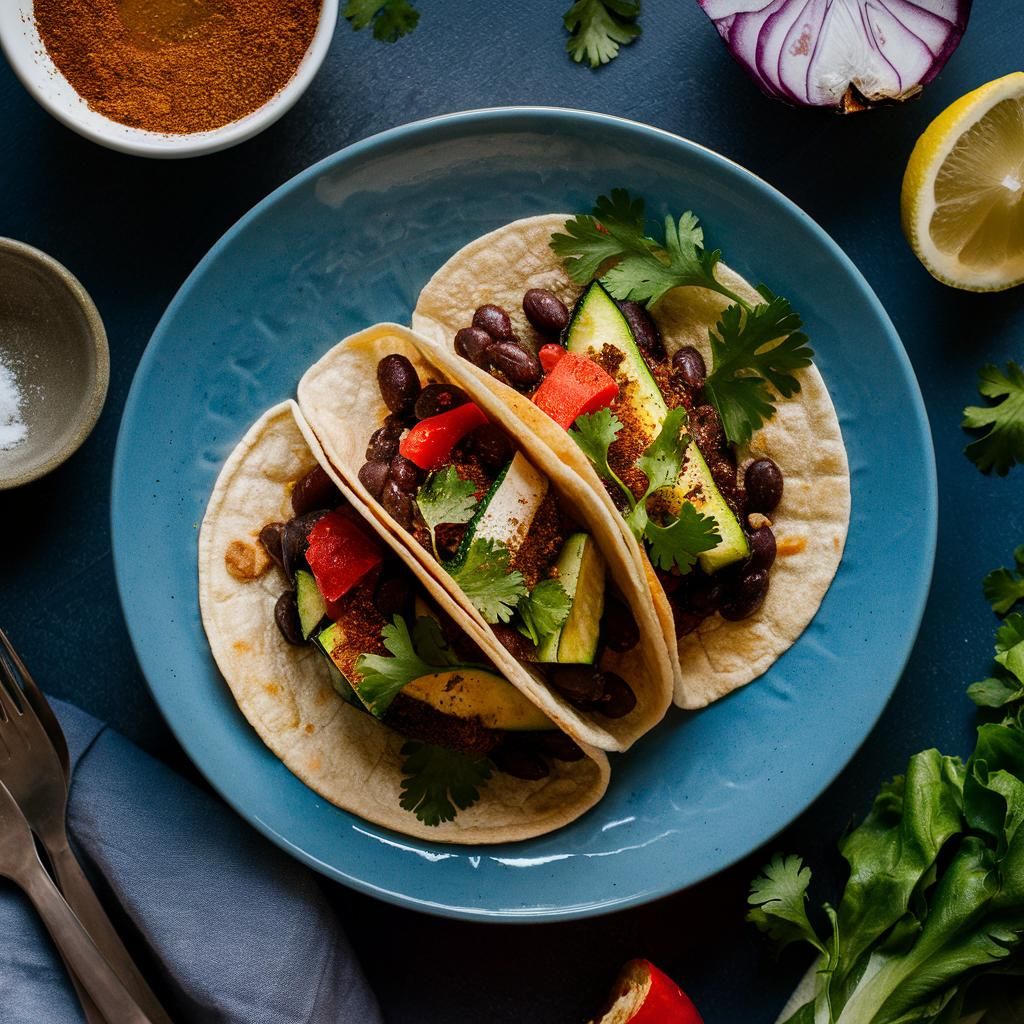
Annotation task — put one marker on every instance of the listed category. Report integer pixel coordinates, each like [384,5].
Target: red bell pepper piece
[644,995]
[549,355]
[575,386]
[431,441]
[340,554]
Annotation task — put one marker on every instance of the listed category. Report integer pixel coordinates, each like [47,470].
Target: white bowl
[27,55]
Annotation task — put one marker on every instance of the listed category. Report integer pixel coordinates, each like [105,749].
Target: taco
[347,660]
[517,538]
[697,418]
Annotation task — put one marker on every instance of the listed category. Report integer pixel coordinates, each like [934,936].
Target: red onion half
[848,54]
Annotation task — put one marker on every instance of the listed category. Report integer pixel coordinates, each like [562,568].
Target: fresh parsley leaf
[446,498]
[994,693]
[486,579]
[430,644]
[382,677]
[1002,446]
[1003,588]
[1010,633]
[597,28]
[544,610]
[595,433]
[662,459]
[391,19]
[682,540]
[778,900]
[440,782]
[749,352]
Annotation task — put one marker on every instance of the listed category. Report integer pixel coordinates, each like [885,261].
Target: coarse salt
[12,427]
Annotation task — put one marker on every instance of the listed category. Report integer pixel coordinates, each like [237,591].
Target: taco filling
[399,659]
[458,483]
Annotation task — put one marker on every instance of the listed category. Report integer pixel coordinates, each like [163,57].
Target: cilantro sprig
[390,19]
[446,498]
[543,611]
[420,654]
[484,575]
[1003,588]
[1001,447]
[683,537]
[439,782]
[597,28]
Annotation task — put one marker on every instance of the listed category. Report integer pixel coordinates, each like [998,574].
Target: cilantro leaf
[684,262]
[1010,633]
[994,693]
[595,433]
[614,228]
[439,782]
[544,611]
[446,498]
[662,459]
[597,28]
[486,579]
[682,540]
[1003,588]
[391,19]
[749,352]
[778,900]
[383,677]
[429,642]
[1002,446]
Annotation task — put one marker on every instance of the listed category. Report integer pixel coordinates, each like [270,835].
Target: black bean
[397,504]
[763,480]
[295,540]
[618,627]
[559,746]
[382,446]
[399,383]
[373,476]
[270,537]
[685,622]
[619,698]
[394,426]
[522,368]
[688,363]
[645,330]
[703,596]
[494,320]
[746,597]
[762,548]
[546,312]
[286,615]
[437,398]
[474,344]
[519,761]
[393,595]
[405,474]
[315,490]
[492,445]
[578,683]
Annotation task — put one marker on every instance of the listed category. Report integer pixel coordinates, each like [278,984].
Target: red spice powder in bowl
[167,78]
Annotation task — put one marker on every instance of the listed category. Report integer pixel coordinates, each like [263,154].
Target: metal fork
[21,864]
[35,773]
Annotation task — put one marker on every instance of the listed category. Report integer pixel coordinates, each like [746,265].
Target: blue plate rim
[500,116]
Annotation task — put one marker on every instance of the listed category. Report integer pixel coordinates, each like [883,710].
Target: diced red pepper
[340,554]
[575,386]
[644,995]
[549,355]
[431,441]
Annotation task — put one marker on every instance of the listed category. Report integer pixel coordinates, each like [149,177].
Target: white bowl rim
[30,67]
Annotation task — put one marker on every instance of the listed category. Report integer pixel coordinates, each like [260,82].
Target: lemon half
[963,192]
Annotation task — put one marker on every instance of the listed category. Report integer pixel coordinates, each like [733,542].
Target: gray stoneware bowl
[52,340]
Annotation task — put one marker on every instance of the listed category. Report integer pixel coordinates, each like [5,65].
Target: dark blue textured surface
[132,230]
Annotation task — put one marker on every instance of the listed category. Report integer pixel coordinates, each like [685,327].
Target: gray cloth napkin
[226,927]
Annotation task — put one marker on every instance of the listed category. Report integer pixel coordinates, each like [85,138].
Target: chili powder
[176,66]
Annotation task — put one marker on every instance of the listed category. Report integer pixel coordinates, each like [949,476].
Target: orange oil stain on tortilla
[272,689]
[314,764]
[245,562]
[791,546]
[310,728]
[321,698]
[241,647]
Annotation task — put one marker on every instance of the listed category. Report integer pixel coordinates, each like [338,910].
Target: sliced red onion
[848,54]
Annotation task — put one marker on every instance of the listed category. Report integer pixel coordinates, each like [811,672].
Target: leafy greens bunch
[932,916]
[754,348]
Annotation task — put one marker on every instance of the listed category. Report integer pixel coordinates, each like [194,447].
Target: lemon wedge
[963,192]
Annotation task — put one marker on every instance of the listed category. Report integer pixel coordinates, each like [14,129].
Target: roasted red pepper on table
[573,387]
[430,441]
[644,995]
[340,554]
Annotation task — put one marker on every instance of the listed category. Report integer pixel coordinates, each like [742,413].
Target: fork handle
[83,901]
[80,952]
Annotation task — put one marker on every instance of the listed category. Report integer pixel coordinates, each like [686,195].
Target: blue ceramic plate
[350,242]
